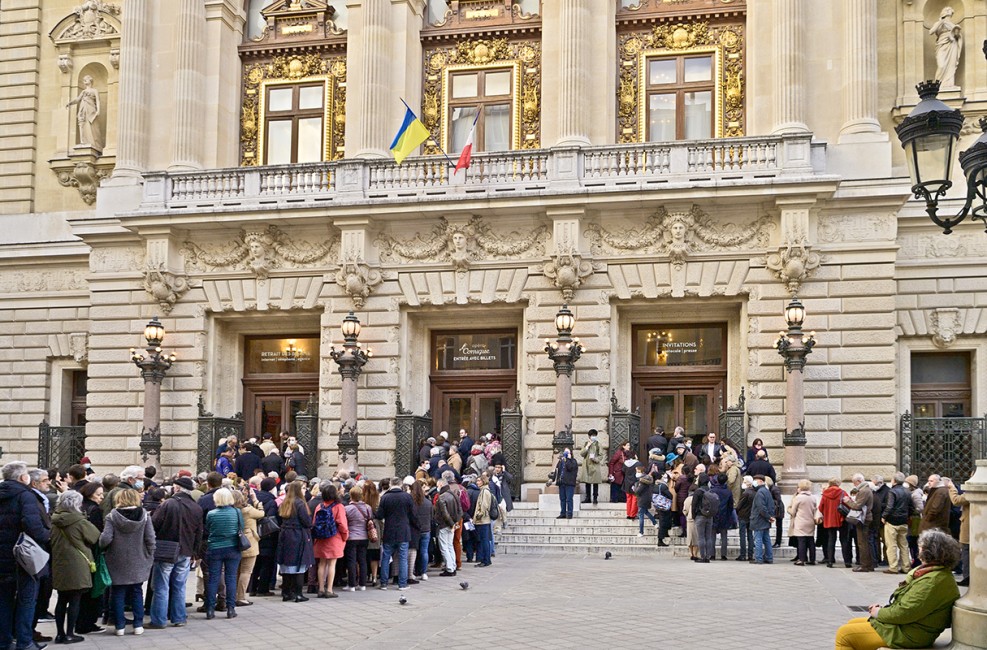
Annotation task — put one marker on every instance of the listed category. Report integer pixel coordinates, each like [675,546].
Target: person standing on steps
[565,477]
[643,490]
[616,473]
[591,471]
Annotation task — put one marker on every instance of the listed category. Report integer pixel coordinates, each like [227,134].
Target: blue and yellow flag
[411,134]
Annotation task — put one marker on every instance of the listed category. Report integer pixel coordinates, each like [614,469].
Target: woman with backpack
[295,544]
[330,529]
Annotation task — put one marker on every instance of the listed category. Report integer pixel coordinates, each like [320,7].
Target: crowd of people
[119,547]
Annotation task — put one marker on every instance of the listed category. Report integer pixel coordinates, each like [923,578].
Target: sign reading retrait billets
[475,351]
[282,356]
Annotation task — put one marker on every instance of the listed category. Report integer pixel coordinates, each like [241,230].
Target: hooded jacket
[128,541]
[20,512]
[829,504]
[71,538]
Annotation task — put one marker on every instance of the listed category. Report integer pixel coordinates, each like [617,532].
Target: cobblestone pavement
[551,602]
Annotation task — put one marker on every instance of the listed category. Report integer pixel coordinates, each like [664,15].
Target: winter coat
[358,514]
[616,467]
[919,610]
[128,544]
[762,468]
[752,455]
[936,513]
[246,464]
[566,471]
[803,512]
[423,515]
[481,513]
[93,513]
[763,509]
[880,497]
[71,538]
[179,519]
[682,484]
[745,504]
[448,511]
[397,510]
[734,481]
[332,547]
[295,541]
[779,504]
[829,504]
[592,468]
[630,475]
[724,516]
[897,506]
[269,544]
[455,461]
[958,499]
[643,490]
[296,461]
[863,499]
[272,463]
[20,512]
[251,515]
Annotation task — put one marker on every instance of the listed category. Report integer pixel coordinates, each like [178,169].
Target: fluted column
[574,18]
[368,128]
[860,67]
[789,76]
[132,138]
[186,142]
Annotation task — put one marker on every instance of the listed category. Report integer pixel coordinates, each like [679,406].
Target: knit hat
[912,480]
[84,460]
[268,484]
[185,483]
[185,472]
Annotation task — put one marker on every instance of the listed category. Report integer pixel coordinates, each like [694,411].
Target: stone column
[370,98]
[970,611]
[789,76]
[860,67]
[574,120]
[793,469]
[135,48]
[150,442]
[564,351]
[186,147]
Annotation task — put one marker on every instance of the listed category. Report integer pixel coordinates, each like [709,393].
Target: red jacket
[828,504]
[616,467]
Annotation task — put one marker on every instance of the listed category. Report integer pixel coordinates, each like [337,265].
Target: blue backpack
[324,526]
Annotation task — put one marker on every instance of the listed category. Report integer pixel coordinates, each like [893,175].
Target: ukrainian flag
[411,134]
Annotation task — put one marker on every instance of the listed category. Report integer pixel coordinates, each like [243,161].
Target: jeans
[704,532]
[18,597]
[485,532]
[641,513]
[356,562]
[447,550]
[722,533]
[762,546]
[897,545]
[829,544]
[400,549]
[746,539]
[169,591]
[225,560]
[121,595]
[566,493]
[421,566]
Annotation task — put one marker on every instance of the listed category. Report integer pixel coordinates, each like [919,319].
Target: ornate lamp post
[351,360]
[794,346]
[564,351]
[153,368]
[929,135]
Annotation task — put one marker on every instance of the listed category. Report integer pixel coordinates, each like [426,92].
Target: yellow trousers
[858,635]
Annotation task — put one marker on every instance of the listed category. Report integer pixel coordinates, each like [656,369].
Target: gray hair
[899,478]
[70,500]
[857,478]
[132,471]
[441,483]
[396,481]
[37,474]
[878,479]
[938,549]
[14,470]
[448,476]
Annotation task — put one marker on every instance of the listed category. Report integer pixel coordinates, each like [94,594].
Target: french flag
[467,153]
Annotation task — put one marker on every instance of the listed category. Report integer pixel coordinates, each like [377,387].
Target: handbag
[101,577]
[166,551]
[242,536]
[372,534]
[267,526]
[843,509]
[857,516]
[30,555]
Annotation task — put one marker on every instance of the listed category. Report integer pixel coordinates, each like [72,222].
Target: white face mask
[638,474]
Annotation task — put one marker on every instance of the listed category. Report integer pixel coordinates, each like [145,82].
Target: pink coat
[332,547]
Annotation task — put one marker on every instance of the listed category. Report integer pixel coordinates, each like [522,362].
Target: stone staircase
[595,529]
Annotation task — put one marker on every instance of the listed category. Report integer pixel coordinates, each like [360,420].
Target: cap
[444,434]
[912,480]
[759,477]
[185,482]
[184,472]
[409,480]
[84,460]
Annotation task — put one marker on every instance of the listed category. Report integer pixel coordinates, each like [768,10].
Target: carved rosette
[358,280]
[726,41]
[524,56]
[315,66]
[794,263]
[257,251]
[165,287]
[567,271]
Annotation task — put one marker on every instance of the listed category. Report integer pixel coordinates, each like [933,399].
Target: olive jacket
[72,537]
[594,465]
[919,610]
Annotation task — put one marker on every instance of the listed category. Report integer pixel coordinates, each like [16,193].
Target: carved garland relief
[295,68]
[726,42]
[524,57]
[257,251]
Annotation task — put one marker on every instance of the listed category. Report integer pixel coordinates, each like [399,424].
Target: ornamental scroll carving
[726,41]
[680,234]
[358,280]
[567,270]
[462,244]
[794,263]
[92,20]
[300,67]
[165,287]
[257,251]
[525,59]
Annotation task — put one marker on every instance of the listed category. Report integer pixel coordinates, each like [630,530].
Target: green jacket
[919,611]
[593,469]
[72,536]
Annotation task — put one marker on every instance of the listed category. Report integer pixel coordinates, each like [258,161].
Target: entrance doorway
[477,412]
[678,377]
[279,376]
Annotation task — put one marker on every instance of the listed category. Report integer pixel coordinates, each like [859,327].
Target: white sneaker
[640,534]
[402,589]
[138,631]
[424,576]
[363,588]
[119,632]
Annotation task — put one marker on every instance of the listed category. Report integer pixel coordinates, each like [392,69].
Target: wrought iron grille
[409,431]
[211,430]
[512,437]
[60,447]
[625,425]
[944,446]
[732,427]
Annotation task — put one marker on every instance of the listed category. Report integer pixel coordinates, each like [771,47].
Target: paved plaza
[550,602]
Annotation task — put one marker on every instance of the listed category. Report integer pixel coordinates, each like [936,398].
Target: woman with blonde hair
[128,542]
[251,512]
[223,526]
[295,544]
[802,511]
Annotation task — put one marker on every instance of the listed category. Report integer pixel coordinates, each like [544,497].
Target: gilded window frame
[265,85]
[664,53]
[514,67]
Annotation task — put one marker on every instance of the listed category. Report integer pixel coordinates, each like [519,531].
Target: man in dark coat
[465,443]
[761,466]
[762,516]
[272,463]
[20,512]
[246,464]
[177,520]
[397,511]
[881,490]
[723,520]
[863,500]
[566,473]
[658,441]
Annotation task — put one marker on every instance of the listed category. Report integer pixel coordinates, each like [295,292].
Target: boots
[287,587]
[299,588]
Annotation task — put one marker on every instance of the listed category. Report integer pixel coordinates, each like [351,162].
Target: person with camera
[565,477]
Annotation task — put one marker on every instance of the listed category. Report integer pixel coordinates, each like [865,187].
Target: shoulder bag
[166,551]
[267,526]
[30,555]
[101,577]
[372,534]
[242,536]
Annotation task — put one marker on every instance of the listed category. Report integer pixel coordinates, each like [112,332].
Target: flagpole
[448,159]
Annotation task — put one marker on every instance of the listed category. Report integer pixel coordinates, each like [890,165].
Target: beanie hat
[185,483]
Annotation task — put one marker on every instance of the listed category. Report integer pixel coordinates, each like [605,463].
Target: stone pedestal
[970,611]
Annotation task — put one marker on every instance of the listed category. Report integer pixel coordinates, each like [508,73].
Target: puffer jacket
[20,512]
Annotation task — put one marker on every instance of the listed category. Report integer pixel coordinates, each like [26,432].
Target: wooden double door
[472,404]
[689,402]
[271,406]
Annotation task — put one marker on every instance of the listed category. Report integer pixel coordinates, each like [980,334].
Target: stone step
[784,553]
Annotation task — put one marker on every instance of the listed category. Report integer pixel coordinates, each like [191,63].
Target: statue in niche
[949,44]
[90,134]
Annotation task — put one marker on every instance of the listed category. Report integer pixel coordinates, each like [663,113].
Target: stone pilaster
[186,147]
[970,611]
[860,67]
[370,96]
[225,20]
[573,73]
[20,29]
[789,76]
[135,48]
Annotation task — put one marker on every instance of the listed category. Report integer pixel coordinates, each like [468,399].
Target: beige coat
[802,510]
[250,517]
[961,500]
[734,481]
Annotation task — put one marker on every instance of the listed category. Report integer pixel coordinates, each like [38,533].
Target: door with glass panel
[276,414]
[486,97]
[478,413]
[689,408]
[279,375]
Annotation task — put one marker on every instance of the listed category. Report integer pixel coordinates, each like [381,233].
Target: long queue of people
[117,547]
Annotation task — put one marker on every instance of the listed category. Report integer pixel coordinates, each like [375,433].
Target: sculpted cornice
[259,252]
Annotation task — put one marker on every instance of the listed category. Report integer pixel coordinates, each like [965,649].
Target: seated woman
[919,610]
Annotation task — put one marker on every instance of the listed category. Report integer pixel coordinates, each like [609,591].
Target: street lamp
[153,368]
[564,351]
[351,359]
[929,135]
[794,346]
